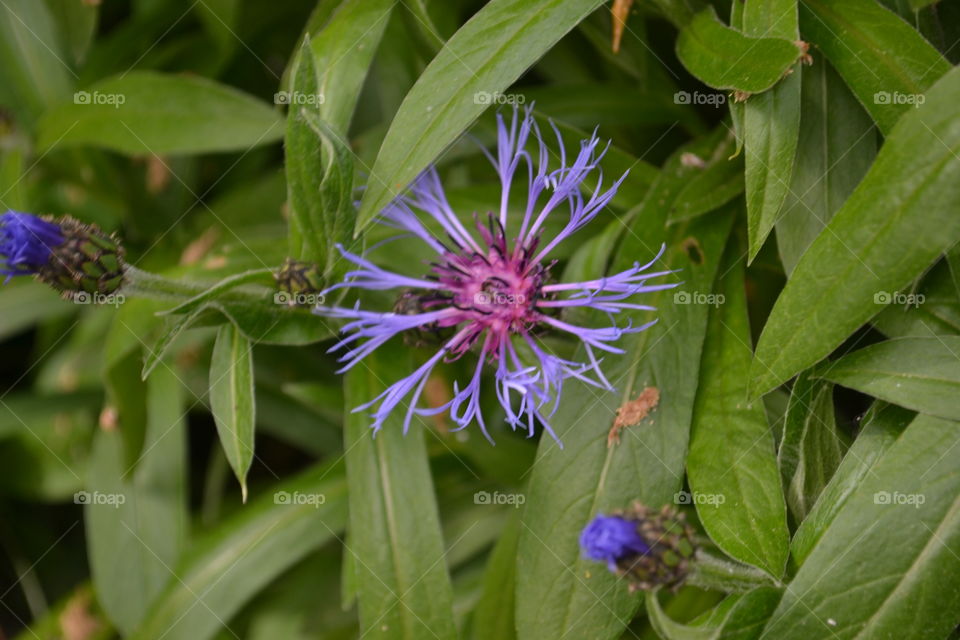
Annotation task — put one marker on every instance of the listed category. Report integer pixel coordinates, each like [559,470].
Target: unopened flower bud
[650,548]
[70,256]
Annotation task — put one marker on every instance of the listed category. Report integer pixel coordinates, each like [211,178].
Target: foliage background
[816,220]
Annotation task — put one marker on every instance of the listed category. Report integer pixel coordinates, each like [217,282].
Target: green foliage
[184,459]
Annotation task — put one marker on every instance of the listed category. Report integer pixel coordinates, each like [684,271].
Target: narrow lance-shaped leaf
[343,51]
[888,558]
[136,518]
[737,616]
[144,112]
[836,146]
[484,56]
[922,374]
[718,181]
[928,309]
[900,218]
[326,78]
[731,466]
[230,564]
[810,449]
[884,61]
[403,589]
[232,399]
[771,123]
[881,426]
[493,617]
[557,589]
[33,74]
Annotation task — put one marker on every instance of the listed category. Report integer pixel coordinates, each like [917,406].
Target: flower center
[494,288]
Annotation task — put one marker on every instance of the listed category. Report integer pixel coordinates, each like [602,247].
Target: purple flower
[492,293]
[612,538]
[26,243]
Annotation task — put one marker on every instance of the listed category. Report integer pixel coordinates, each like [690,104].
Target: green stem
[712,572]
[150,285]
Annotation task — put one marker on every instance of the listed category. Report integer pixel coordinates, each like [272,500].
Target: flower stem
[149,285]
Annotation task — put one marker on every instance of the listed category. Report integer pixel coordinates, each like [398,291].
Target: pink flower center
[496,290]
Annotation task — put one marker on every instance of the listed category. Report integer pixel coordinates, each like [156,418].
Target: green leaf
[931,309]
[232,399]
[771,124]
[310,238]
[833,154]
[33,71]
[493,617]
[719,181]
[771,127]
[144,112]
[887,560]
[332,205]
[922,374]
[737,616]
[77,22]
[810,449]
[229,565]
[558,591]
[343,51]
[217,291]
[403,587]
[897,222]
[264,321]
[220,17]
[137,519]
[883,60]
[882,425]
[486,54]
[24,304]
[172,330]
[731,466]
[726,59]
